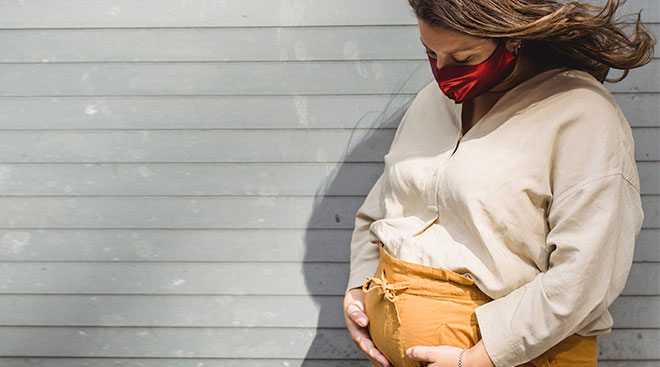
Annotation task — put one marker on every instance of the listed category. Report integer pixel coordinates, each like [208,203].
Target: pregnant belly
[399,318]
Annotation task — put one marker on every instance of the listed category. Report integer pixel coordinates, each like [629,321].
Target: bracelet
[460,358]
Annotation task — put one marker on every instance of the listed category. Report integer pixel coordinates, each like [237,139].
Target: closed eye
[464,61]
[434,56]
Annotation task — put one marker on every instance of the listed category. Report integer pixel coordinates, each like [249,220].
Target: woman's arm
[364,245]
[364,261]
[593,228]
[447,356]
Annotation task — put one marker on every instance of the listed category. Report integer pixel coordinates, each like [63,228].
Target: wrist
[477,356]
[461,358]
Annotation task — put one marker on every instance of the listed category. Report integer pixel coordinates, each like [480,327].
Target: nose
[440,62]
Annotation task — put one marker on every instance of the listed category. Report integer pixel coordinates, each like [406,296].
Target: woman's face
[453,48]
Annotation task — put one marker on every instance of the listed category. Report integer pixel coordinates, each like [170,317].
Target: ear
[514,46]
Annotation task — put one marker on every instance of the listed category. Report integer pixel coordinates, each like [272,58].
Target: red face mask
[463,82]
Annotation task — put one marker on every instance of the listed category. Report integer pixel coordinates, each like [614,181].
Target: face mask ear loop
[516,50]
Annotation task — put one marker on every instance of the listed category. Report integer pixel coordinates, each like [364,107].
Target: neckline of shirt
[495,110]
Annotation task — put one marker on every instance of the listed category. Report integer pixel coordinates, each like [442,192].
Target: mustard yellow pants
[410,304]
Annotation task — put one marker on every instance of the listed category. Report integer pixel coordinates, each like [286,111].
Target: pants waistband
[426,280]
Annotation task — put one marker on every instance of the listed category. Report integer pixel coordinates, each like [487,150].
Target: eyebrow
[449,52]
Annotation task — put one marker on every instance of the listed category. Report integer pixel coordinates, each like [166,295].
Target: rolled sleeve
[364,245]
[592,232]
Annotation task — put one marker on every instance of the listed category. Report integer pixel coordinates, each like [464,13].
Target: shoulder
[570,92]
[589,135]
[431,100]
[430,112]
[574,104]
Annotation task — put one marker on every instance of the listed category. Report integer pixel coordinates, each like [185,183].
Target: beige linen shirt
[538,202]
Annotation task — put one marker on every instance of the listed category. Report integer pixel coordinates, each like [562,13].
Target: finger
[380,358]
[358,303]
[355,306]
[361,338]
[379,362]
[367,346]
[425,354]
[357,332]
[375,363]
[355,312]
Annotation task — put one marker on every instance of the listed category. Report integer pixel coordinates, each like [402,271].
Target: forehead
[446,40]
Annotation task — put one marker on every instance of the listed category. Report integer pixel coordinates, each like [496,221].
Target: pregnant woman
[503,225]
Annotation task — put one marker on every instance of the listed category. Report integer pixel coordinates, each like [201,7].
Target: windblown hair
[566,34]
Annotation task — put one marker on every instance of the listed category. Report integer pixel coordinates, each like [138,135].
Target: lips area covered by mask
[463,82]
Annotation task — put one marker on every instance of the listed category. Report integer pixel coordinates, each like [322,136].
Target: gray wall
[178,178]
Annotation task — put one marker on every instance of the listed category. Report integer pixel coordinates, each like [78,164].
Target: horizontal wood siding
[228,13]
[259,78]
[177,176]
[214,44]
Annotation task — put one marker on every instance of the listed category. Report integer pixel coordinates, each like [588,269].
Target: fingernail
[363,322]
[409,351]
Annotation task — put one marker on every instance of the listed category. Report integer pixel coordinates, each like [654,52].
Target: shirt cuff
[501,344]
[360,272]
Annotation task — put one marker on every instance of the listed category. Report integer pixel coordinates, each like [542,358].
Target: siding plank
[312,179]
[176,342]
[200,146]
[240,343]
[230,146]
[275,112]
[345,77]
[171,212]
[276,245]
[630,344]
[212,44]
[200,213]
[240,78]
[648,246]
[208,245]
[196,112]
[651,206]
[216,44]
[636,312]
[231,13]
[640,109]
[649,177]
[228,311]
[215,278]
[191,179]
[200,13]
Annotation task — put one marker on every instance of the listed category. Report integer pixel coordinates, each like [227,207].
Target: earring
[516,50]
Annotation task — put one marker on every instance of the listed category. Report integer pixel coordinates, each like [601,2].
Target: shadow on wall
[332,345]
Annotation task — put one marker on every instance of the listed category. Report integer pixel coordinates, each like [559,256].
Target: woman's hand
[440,356]
[357,321]
[446,356]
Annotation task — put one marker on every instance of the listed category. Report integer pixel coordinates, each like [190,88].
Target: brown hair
[574,35]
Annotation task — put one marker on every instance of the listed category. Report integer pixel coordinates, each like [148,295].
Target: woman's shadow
[329,229]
